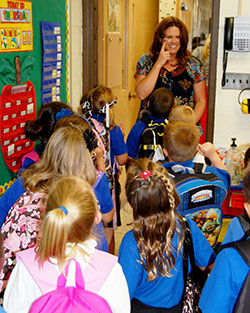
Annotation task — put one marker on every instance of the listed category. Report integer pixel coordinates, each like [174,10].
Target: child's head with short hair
[71,209]
[152,195]
[182,113]
[161,102]
[180,140]
[247,157]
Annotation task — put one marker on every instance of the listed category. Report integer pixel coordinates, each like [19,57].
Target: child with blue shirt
[225,282]
[98,106]
[181,142]
[160,104]
[151,253]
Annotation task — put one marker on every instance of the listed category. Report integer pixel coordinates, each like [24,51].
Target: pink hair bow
[145,174]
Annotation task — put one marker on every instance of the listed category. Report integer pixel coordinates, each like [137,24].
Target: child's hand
[98,153]
[207,150]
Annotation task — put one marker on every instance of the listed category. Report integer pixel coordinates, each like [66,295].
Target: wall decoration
[166,8]
[6,186]
[16,31]
[52,62]
[17,106]
[114,16]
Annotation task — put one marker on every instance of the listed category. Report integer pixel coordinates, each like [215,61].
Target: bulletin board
[31,59]
[16,26]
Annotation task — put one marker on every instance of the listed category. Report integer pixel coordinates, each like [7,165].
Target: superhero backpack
[103,137]
[73,299]
[151,140]
[201,195]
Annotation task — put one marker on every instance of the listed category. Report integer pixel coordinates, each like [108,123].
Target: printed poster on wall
[16,26]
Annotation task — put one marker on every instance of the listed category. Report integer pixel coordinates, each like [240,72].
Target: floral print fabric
[20,231]
[180,81]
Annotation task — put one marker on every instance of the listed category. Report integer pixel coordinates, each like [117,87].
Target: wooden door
[120,47]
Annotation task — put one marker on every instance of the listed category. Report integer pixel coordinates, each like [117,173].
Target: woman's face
[173,39]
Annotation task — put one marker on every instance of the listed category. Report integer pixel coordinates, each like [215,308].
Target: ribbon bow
[145,174]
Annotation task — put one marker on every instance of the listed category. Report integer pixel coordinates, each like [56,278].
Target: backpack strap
[243,302]
[33,155]
[98,126]
[199,168]
[95,273]
[242,247]
[98,130]
[245,223]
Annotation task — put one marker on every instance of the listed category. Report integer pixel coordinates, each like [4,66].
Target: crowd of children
[65,205]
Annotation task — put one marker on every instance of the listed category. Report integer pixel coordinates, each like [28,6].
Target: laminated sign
[17,106]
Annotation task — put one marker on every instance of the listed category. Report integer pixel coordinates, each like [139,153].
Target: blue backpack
[201,196]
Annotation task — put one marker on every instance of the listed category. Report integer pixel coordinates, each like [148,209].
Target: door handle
[131,95]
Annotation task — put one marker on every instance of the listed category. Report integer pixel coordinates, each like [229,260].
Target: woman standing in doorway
[169,64]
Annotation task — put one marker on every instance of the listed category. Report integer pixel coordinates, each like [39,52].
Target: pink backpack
[70,299]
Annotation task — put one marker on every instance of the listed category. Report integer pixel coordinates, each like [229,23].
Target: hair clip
[104,109]
[86,105]
[145,174]
[63,113]
[63,209]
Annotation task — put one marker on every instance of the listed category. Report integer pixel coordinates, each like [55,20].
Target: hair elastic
[63,113]
[63,209]
[145,174]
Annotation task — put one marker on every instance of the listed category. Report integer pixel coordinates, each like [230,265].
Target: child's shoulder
[129,239]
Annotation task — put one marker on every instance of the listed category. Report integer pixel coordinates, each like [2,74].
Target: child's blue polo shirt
[224,283]
[163,292]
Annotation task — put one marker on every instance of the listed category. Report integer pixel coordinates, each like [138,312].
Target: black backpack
[243,248]
[151,139]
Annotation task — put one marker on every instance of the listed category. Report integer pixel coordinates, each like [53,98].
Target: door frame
[89,45]
[213,70]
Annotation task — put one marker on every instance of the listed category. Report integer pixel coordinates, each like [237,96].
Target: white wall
[229,120]
[75,52]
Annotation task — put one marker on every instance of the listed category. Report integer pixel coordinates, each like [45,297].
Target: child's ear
[165,152]
[98,217]
[247,208]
